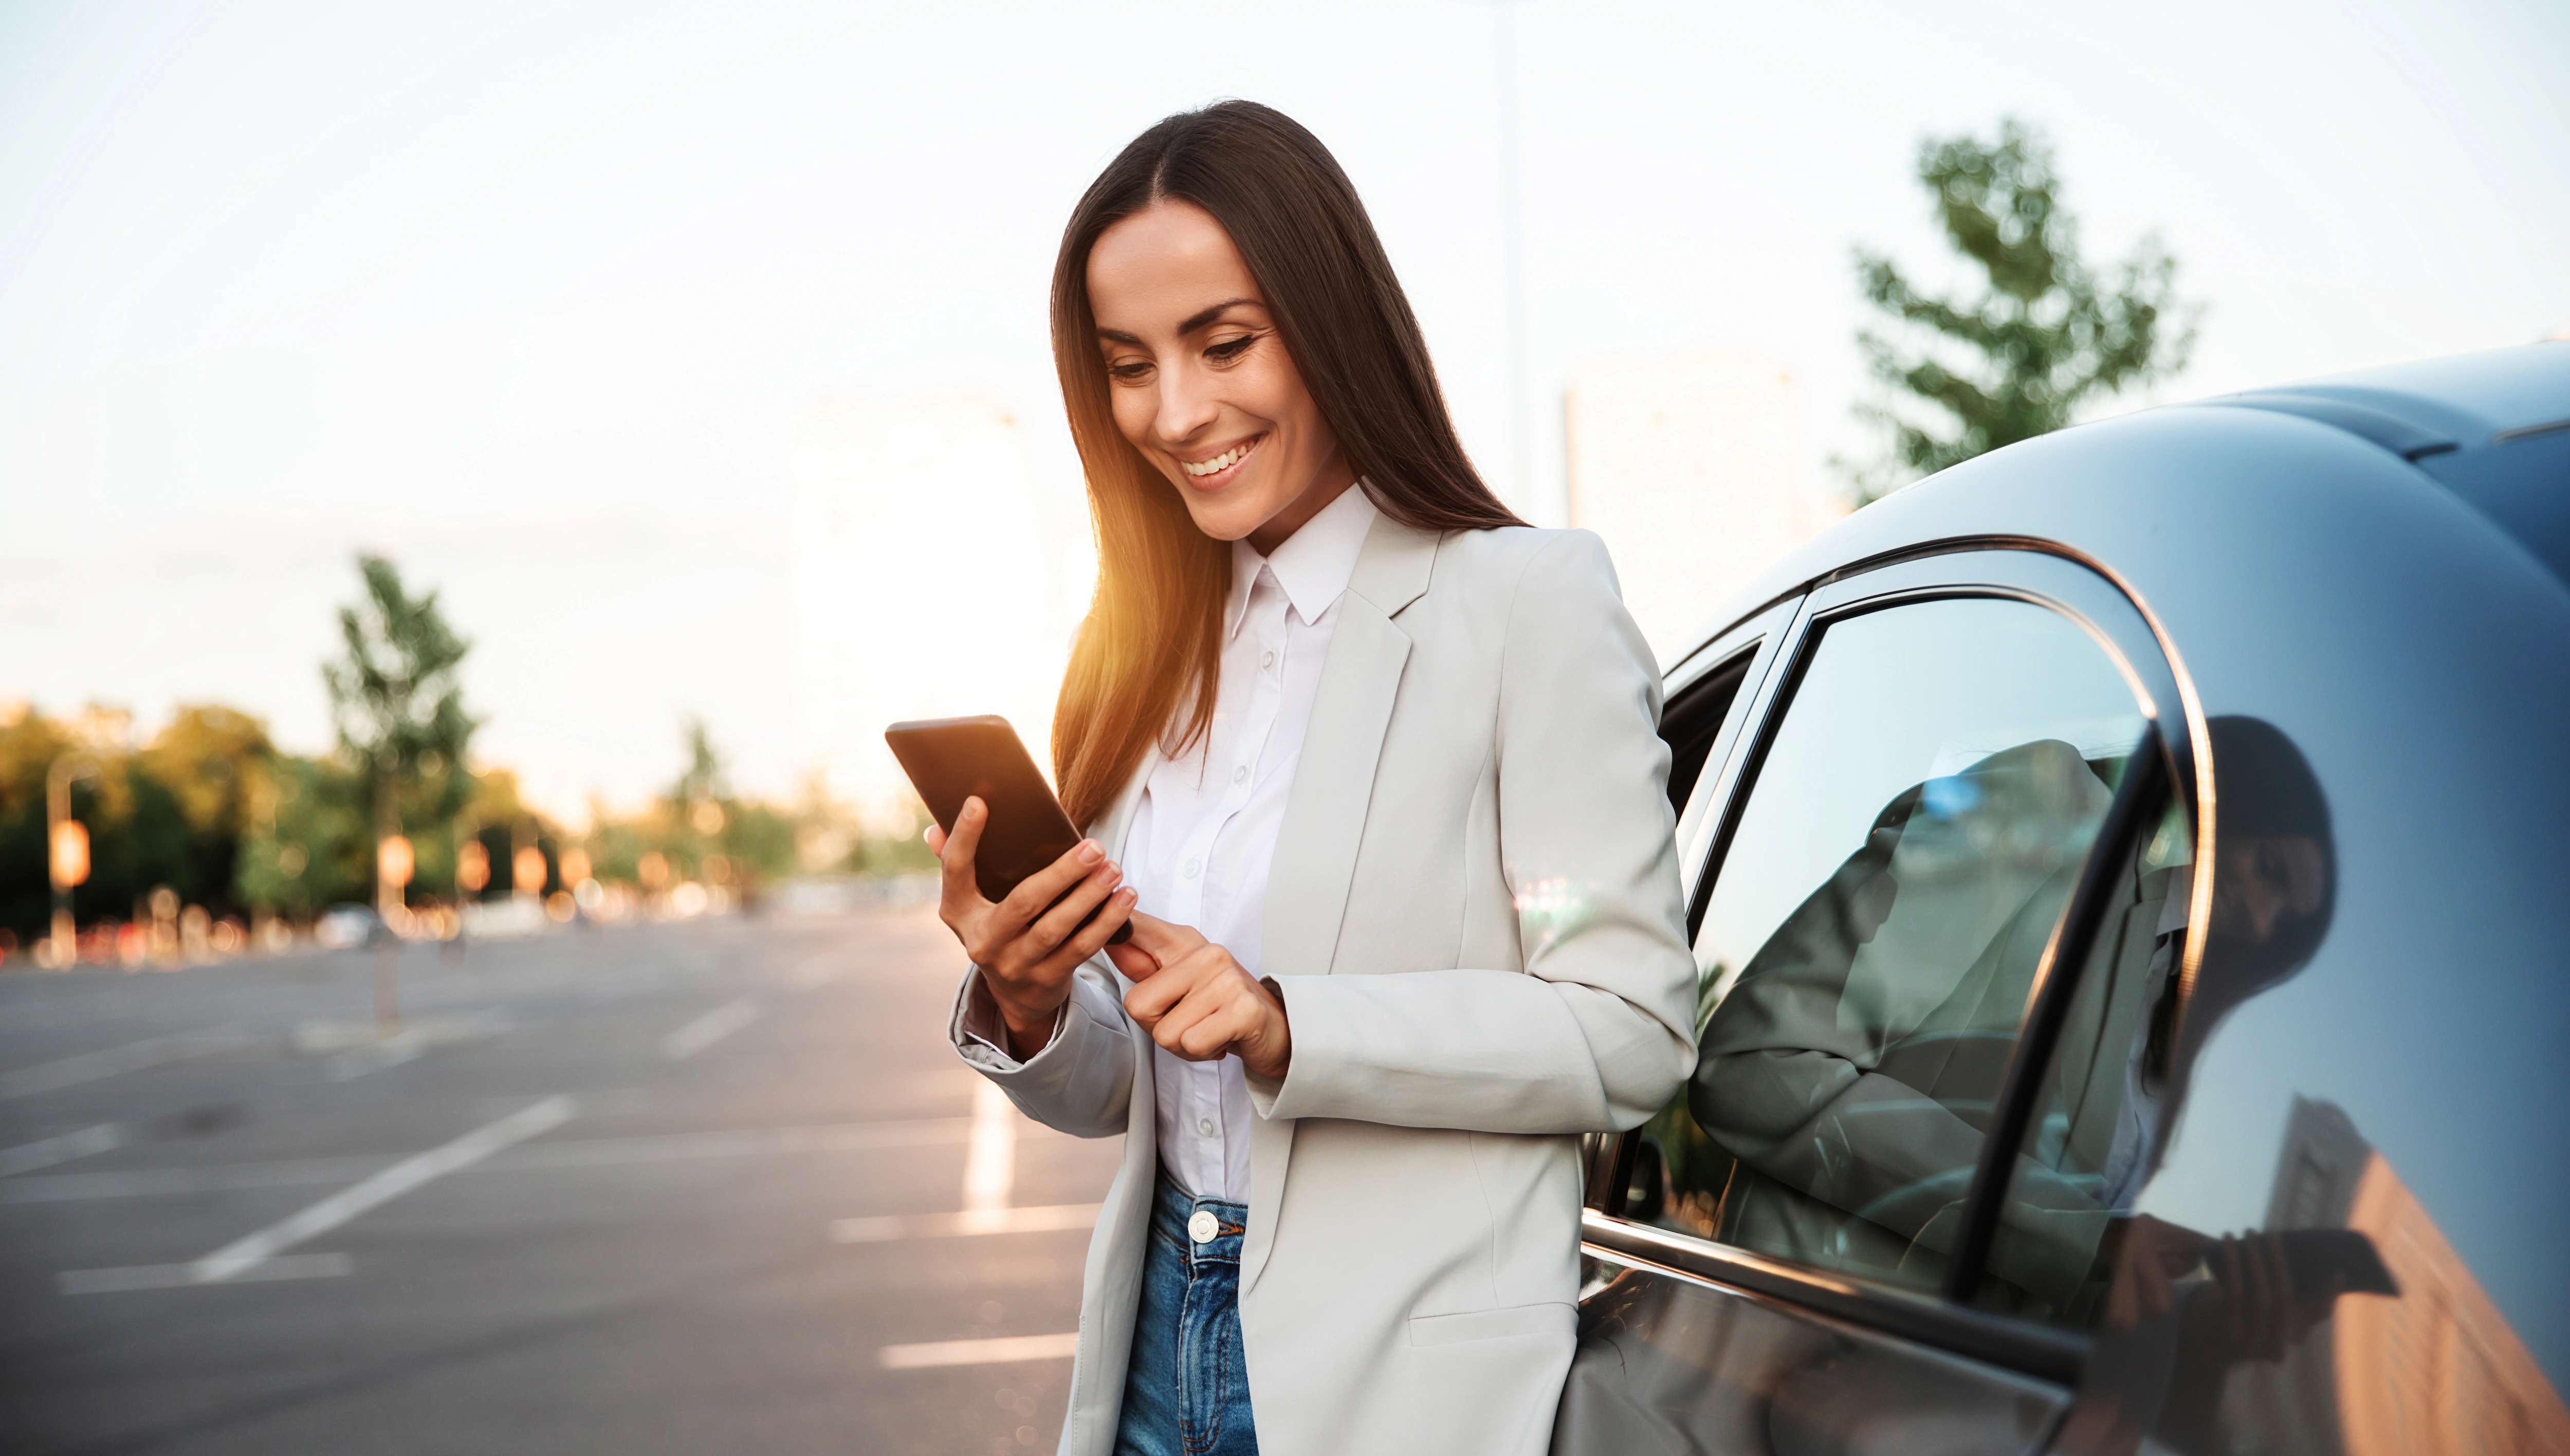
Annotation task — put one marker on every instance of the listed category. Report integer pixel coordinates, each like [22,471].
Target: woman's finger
[1019,907]
[955,856]
[1135,962]
[1053,928]
[1151,1000]
[1206,1023]
[1165,940]
[1230,1017]
[1092,937]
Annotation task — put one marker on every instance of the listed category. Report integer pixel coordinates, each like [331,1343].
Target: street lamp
[66,849]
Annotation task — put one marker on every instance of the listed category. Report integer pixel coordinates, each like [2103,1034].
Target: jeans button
[1201,1225]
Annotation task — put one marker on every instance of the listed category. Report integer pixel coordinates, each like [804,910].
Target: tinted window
[2241,1176]
[2088,1143]
[1911,837]
[1693,720]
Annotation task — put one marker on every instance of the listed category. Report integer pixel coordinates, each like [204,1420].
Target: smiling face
[1200,381]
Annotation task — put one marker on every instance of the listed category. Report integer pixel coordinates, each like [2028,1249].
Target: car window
[1911,837]
[2088,1140]
[2265,1170]
[1694,719]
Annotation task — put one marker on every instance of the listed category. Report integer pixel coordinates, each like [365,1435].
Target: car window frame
[1762,635]
[2092,596]
[1606,1158]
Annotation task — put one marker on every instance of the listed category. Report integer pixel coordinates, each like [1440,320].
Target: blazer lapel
[1316,846]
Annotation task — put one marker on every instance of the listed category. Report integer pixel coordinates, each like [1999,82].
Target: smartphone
[2321,1263]
[952,758]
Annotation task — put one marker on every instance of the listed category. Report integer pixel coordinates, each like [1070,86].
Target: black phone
[949,760]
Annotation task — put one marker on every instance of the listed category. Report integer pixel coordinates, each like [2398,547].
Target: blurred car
[2129,877]
[344,926]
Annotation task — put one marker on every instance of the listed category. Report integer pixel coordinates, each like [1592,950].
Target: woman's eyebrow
[1194,321]
[1205,316]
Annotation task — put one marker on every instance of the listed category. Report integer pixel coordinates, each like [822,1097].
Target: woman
[1382,764]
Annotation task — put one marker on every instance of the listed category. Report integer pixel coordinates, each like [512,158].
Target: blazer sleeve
[1596,1034]
[1081,1083]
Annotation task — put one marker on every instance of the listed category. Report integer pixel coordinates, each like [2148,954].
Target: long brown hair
[1154,628]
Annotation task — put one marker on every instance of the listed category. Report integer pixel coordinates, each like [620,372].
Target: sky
[572,309]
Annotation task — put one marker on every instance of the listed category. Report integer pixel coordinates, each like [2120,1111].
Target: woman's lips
[1214,472]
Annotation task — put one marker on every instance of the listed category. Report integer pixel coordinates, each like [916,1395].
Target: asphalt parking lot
[715,1185]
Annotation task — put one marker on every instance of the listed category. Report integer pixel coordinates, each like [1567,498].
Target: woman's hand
[1028,953]
[1201,1003]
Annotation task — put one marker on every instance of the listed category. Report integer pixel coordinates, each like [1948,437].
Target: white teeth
[1219,462]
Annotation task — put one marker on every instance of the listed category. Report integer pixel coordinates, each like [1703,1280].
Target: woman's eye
[1230,349]
[1127,373]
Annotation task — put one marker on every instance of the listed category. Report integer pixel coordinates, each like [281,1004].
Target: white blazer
[1474,918]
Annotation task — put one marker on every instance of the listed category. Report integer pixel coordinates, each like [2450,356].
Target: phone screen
[952,758]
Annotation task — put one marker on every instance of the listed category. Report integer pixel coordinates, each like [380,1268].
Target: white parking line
[46,1152]
[1008,1349]
[709,1029]
[243,1256]
[898,1226]
[844,1137]
[180,1276]
[114,1061]
[991,1158]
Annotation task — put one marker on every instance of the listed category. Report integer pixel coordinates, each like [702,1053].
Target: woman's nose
[1186,406]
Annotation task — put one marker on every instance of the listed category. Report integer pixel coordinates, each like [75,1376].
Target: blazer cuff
[981,1036]
[1282,1097]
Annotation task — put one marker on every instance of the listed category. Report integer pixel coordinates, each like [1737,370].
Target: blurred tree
[399,705]
[2046,334]
[169,815]
[704,779]
[213,761]
[310,845]
[29,744]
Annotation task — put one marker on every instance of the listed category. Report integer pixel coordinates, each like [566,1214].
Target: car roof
[2462,401]
[2492,428]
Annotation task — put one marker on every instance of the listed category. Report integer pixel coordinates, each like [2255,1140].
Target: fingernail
[973,807]
[1089,852]
[1127,895]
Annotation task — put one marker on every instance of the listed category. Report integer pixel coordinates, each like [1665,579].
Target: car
[347,925]
[2129,879]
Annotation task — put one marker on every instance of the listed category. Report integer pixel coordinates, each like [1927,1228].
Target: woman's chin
[1224,517]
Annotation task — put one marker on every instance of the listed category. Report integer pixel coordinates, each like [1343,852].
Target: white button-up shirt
[1204,834]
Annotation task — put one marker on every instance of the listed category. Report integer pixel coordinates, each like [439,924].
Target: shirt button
[1204,1125]
[1192,866]
[1267,662]
[1201,1225]
[1240,775]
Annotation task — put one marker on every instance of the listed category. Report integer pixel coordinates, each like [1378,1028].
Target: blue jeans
[1186,1388]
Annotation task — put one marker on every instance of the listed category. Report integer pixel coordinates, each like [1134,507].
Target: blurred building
[2431,1370]
[1690,469]
[931,577]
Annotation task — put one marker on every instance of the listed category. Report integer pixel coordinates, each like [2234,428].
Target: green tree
[309,847]
[2045,334]
[399,705]
[213,761]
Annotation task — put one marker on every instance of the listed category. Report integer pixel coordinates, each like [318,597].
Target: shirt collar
[1315,564]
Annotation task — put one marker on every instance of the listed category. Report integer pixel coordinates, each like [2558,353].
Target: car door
[1934,784]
